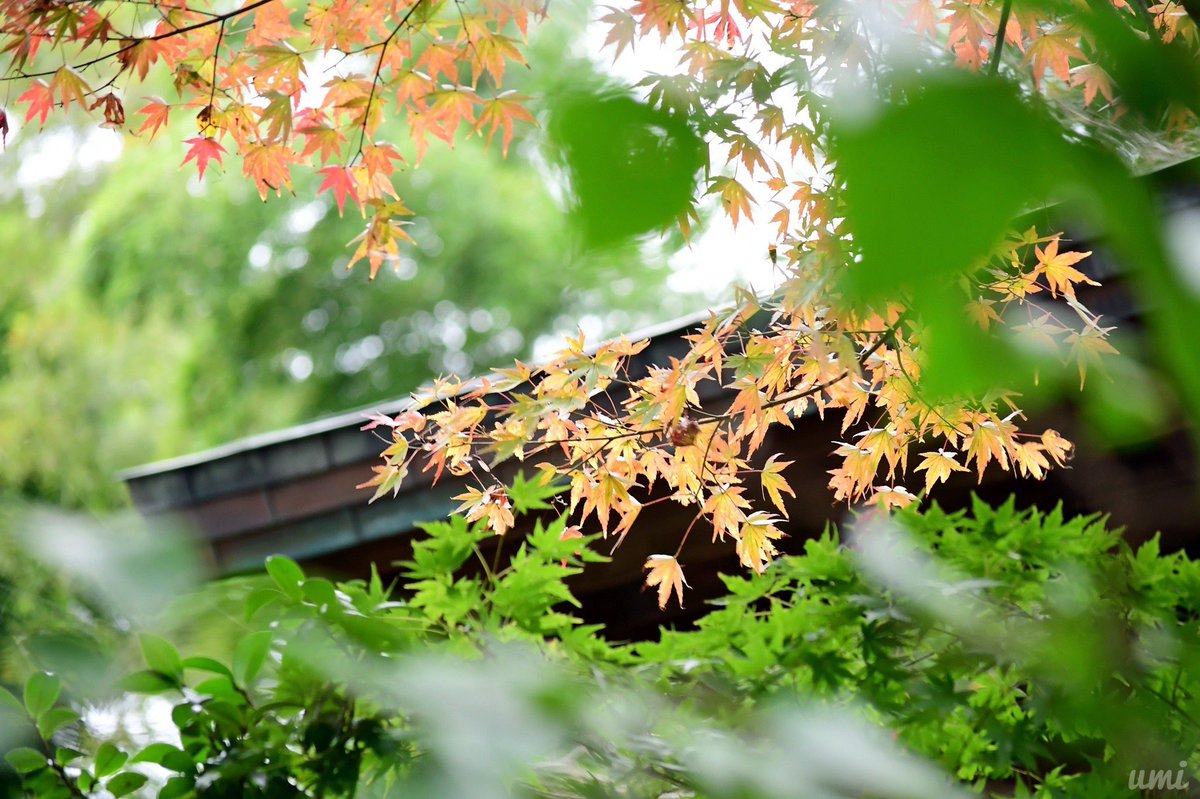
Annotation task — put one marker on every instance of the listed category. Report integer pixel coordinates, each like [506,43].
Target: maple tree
[877,301]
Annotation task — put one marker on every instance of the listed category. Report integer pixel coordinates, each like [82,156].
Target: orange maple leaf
[734,196]
[156,112]
[268,164]
[499,113]
[492,505]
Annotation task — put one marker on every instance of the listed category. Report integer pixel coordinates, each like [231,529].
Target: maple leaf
[340,180]
[491,51]
[141,55]
[499,113]
[70,87]
[203,150]
[268,164]
[279,69]
[982,311]
[1056,446]
[278,117]
[156,112]
[388,477]
[1052,51]
[272,23]
[491,504]
[380,241]
[1031,460]
[40,99]
[1094,80]
[725,505]
[3,128]
[937,467]
[667,574]
[889,497]
[622,28]
[570,533]
[773,482]
[1059,269]
[114,112]
[989,439]
[1087,347]
[734,196]
[754,547]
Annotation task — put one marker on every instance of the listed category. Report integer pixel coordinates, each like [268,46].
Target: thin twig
[362,136]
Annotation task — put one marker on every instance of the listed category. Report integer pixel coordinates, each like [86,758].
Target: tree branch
[1005,11]
[362,136]
[218,19]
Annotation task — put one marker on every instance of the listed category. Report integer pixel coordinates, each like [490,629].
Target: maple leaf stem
[362,136]
[487,570]
[217,19]
[1005,11]
[686,533]
[496,556]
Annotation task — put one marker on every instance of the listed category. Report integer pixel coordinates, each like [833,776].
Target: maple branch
[862,360]
[1005,10]
[362,136]
[216,19]
[212,92]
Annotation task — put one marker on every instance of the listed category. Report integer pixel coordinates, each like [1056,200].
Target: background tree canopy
[175,315]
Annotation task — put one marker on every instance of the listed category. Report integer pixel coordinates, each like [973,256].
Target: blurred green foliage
[1003,651]
[632,167]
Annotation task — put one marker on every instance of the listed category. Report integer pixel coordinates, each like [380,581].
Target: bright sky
[722,255]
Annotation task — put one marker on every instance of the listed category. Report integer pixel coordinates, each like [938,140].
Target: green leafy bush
[1003,651]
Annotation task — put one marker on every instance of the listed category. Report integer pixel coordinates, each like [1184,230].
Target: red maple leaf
[40,99]
[339,180]
[203,149]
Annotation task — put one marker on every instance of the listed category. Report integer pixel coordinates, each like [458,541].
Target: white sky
[722,255]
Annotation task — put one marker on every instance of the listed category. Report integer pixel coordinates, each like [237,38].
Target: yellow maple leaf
[1031,459]
[754,546]
[892,497]
[1053,51]
[1059,270]
[938,466]
[773,482]
[989,438]
[667,574]
[982,312]
[725,505]
[1056,446]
